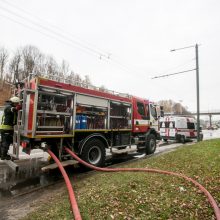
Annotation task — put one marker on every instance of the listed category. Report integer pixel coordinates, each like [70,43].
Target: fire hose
[72,197]
[211,200]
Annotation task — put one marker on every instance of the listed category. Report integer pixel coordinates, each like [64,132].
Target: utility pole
[197,86]
[197,83]
[197,93]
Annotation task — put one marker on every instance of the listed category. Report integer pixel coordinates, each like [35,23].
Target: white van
[178,128]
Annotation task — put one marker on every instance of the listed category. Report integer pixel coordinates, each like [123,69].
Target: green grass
[146,195]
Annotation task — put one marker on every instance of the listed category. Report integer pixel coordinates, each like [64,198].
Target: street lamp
[197,84]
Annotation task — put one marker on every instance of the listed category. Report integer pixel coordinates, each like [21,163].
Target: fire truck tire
[151,144]
[94,152]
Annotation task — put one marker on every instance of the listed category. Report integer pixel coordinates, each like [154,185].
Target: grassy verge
[146,195]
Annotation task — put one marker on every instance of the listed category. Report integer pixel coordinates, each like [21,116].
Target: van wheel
[151,144]
[94,152]
[201,137]
[178,138]
[182,139]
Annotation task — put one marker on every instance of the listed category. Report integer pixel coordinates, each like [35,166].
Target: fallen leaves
[137,196]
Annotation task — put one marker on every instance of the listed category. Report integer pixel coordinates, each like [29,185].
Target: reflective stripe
[6,127]
[2,119]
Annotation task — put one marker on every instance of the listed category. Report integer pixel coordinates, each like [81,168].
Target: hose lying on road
[207,194]
[72,197]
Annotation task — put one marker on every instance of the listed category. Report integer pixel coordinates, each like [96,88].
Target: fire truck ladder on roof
[74,82]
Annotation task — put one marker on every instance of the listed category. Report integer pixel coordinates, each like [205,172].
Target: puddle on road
[28,177]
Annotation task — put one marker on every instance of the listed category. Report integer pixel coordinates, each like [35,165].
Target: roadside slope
[146,195]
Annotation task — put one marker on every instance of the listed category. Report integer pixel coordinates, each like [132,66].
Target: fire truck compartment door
[88,100]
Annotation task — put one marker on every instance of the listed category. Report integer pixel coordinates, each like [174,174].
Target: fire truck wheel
[151,144]
[94,152]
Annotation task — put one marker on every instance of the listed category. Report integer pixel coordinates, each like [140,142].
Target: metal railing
[74,82]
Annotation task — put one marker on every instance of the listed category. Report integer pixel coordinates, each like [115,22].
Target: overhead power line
[104,56]
[81,42]
[178,66]
[182,48]
[45,28]
[60,34]
[43,33]
[156,77]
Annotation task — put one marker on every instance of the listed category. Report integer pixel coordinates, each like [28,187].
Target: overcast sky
[137,35]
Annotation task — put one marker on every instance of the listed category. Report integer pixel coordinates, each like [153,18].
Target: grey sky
[137,33]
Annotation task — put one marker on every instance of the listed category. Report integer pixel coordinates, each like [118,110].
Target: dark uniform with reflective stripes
[9,119]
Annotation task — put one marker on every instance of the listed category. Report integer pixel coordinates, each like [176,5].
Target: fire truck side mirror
[161,111]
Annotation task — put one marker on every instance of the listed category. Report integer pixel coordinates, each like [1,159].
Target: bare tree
[51,67]
[3,61]
[65,68]
[177,108]
[78,80]
[40,65]
[30,57]
[167,105]
[87,81]
[70,77]
[102,88]
[15,69]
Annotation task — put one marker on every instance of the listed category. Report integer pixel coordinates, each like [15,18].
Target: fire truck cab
[59,112]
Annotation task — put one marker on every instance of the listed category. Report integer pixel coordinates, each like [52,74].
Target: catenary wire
[123,67]
[171,74]
[80,41]
[100,54]
[45,28]
[37,30]
[74,43]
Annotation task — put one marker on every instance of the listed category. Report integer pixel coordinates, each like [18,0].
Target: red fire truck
[88,120]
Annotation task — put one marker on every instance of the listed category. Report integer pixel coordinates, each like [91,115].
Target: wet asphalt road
[30,174]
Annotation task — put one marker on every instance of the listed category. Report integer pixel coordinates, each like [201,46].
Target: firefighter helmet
[14,99]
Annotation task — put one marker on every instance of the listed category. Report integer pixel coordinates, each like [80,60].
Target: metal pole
[197,83]
[197,92]
[210,120]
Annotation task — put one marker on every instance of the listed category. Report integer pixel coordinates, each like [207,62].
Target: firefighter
[9,119]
